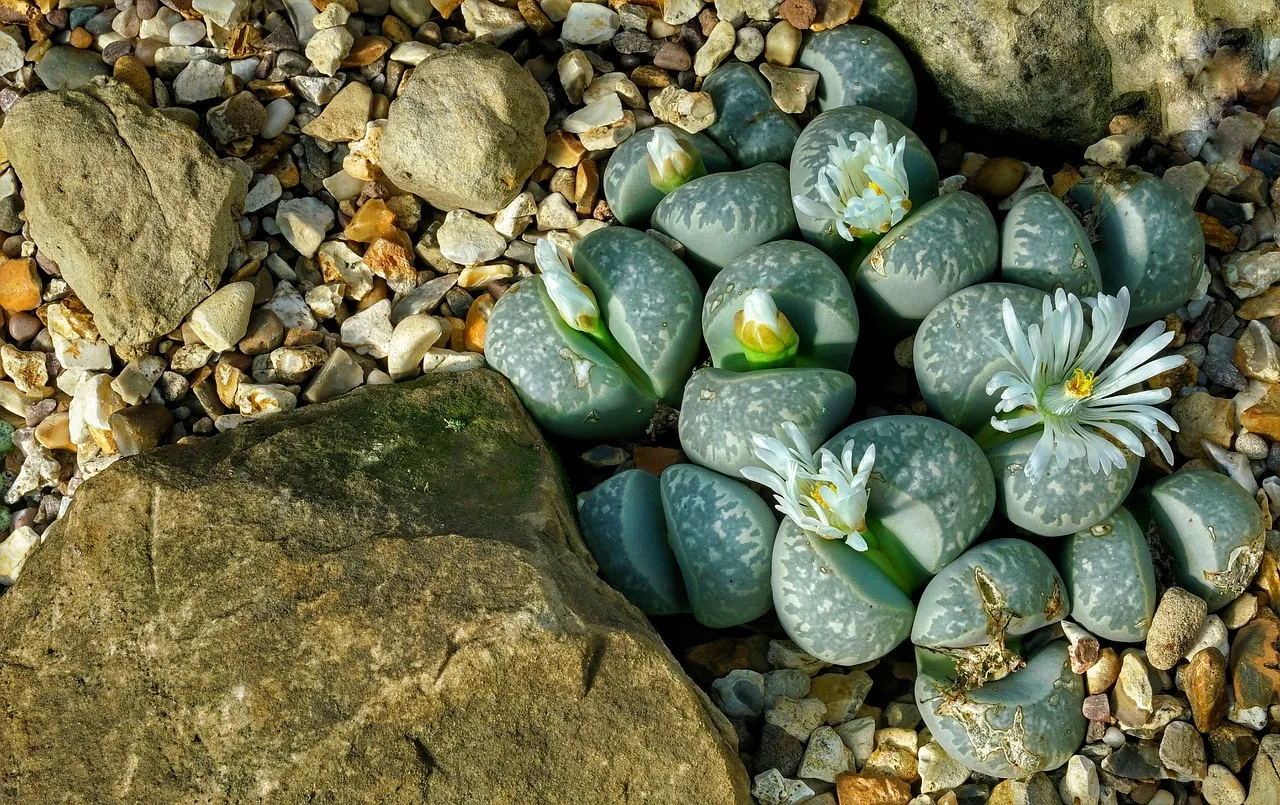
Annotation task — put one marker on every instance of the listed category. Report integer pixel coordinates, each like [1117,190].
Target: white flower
[1063,386]
[671,162]
[761,327]
[821,493]
[575,301]
[862,191]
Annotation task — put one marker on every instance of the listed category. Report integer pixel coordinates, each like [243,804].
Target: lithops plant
[860,66]
[1029,721]
[749,125]
[624,527]
[722,534]
[692,541]
[977,607]
[723,215]
[630,185]
[855,172]
[955,353]
[1044,246]
[948,244]
[1148,240]
[592,354]
[1079,459]
[1213,529]
[722,410]
[1110,579]
[805,286]
[844,569]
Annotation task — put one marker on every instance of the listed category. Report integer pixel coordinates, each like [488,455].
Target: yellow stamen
[876,188]
[1081,384]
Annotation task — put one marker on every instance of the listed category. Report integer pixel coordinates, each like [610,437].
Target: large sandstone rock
[467,130]
[135,209]
[379,599]
[1061,70]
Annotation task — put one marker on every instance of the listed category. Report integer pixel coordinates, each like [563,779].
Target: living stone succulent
[723,215]
[860,66]
[628,183]
[592,356]
[1044,246]
[1110,579]
[1148,240]
[804,284]
[749,126]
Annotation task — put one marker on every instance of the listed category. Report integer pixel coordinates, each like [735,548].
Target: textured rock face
[467,130]
[136,210]
[300,610]
[1061,71]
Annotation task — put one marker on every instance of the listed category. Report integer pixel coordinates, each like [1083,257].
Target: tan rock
[347,623]
[1201,416]
[862,789]
[344,118]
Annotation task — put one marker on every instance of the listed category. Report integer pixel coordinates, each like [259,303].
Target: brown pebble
[654,460]
[864,789]
[130,71]
[80,38]
[535,18]
[477,321]
[20,285]
[54,432]
[366,50]
[564,150]
[671,56]
[586,186]
[23,327]
[800,13]
[1000,176]
[265,333]
[1206,685]
[1255,661]
[140,427]
[1215,234]
[651,77]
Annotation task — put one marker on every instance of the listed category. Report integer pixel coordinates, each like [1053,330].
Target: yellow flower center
[876,188]
[1081,384]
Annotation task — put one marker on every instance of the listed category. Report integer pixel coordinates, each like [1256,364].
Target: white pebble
[223,13]
[1080,784]
[328,48]
[279,115]
[604,112]
[466,239]
[411,339]
[589,24]
[263,192]
[187,32]
[222,319]
[14,553]
[446,360]
[369,331]
[199,81]
[303,222]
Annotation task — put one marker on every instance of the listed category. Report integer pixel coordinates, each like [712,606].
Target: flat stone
[223,319]
[304,222]
[162,233]
[799,717]
[1264,785]
[344,118]
[792,88]
[589,24]
[467,239]
[66,67]
[300,520]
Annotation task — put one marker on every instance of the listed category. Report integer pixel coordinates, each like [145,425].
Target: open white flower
[862,190]
[1062,386]
[671,162]
[821,493]
[575,301]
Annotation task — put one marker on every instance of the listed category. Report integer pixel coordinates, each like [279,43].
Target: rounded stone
[1175,627]
[948,244]
[1060,501]
[627,188]
[1110,578]
[931,493]
[722,410]
[812,154]
[467,130]
[1044,246]
[809,289]
[722,535]
[720,216]
[860,67]
[953,354]
[1148,240]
